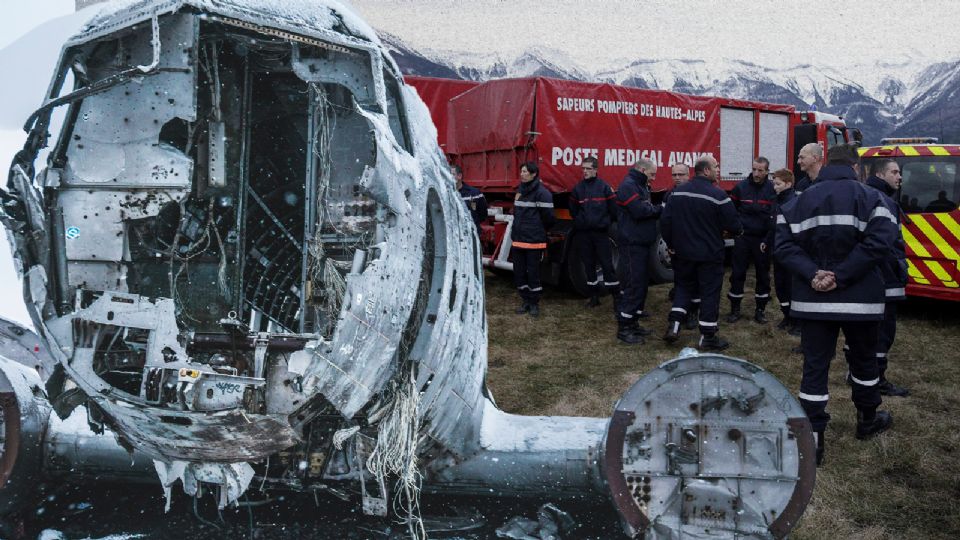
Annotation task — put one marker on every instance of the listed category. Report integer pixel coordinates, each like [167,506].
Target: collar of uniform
[878,183]
[837,172]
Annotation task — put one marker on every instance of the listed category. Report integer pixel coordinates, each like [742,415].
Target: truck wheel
[661,269]
[577,278]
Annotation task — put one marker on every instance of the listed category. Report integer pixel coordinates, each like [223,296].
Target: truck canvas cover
[496,126]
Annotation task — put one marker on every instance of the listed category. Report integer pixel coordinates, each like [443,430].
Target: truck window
[930,184]
[834,137]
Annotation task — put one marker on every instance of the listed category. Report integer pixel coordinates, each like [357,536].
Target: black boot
[734,314]
[759,317]
[639,330]
[794,328]
[534,310]
[626,333]
[594,301]
[869,423]
[887,388]
[818,437]
[785,322]
[673,332]
[691,320]
[523,308]
[713,342]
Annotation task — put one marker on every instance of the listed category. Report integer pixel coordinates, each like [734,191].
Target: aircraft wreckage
[246,259]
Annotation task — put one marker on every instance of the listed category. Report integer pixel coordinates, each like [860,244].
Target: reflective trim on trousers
[679,309]
[785,304]
[762,295]
[732,295]
[813,397]
[704,323]
[626,315]
[611,283]
[592,283]
[839,307]
[873,382]
[695,301]
[536,289]
[896,291]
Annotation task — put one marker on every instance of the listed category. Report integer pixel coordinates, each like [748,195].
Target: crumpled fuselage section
[245,242]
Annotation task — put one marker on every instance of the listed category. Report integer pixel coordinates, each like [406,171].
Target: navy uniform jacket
[475,201]
[895,267]
[638,216]
[695,219]
[592,205]
[754,202]
[532,215]
[783,198]
[840,225]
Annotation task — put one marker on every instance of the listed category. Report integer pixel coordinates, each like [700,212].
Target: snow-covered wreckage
[247,260]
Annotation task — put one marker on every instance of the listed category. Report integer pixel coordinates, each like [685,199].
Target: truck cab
[930,220]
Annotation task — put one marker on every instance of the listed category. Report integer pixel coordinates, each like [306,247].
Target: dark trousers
[888,333]
[783,282]
[746,251]
[705,277]
[526,273]
[694,294]
[819,343]
[593,248]
[634,280]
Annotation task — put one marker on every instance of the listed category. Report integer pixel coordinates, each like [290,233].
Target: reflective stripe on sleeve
[528,204]
[838,307]
[882,212]
[813,397]
[895,291]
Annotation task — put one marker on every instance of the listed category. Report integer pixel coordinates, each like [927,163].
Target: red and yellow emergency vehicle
[928,197]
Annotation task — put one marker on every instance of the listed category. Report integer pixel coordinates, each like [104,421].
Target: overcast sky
[767,32]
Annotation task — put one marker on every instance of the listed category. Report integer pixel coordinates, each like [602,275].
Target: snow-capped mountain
[895,98]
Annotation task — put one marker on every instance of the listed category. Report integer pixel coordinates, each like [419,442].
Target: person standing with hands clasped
[835,238]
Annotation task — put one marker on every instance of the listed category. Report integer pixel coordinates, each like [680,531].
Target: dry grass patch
[903,484]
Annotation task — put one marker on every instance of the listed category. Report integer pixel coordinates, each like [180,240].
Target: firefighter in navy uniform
[692,225]
[886,179]
[834,238]
[754,199]
[637,231]
[680,173]
[532,218]
[473,199]
[783,182]
[593,208]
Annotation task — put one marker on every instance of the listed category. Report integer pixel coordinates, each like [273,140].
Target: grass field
[902,484]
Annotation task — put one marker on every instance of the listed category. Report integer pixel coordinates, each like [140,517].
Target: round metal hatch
[708,446]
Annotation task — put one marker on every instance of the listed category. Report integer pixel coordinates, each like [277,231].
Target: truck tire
[576,278]
[660,268]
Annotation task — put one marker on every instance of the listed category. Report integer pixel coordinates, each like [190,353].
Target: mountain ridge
[887,99]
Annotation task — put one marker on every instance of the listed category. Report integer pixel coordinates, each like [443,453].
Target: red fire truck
[928,197]
[490,129]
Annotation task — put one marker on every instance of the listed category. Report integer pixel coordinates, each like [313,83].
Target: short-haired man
[810,161]
[886,179]
[692,225]
[754,198]
[680,173]
[474,200]
[593,208]
[637,231]
[783,181]
[834,238]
